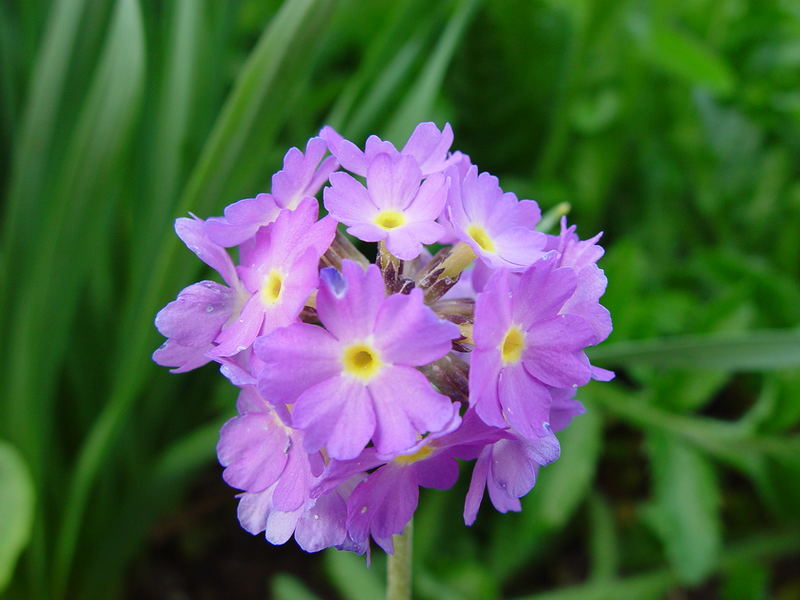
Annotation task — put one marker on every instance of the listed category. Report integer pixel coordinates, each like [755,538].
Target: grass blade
[745,351]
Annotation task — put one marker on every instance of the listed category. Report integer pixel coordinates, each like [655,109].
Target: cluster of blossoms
[361,382]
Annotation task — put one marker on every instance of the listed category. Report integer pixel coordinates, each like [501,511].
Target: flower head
[362,383]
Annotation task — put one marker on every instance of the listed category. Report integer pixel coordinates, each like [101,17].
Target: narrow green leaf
[97,143]
[689,59]
[685,512]
[16,509]
[39,119]
[745,351]
[603,544]
[351,577]
[419,101]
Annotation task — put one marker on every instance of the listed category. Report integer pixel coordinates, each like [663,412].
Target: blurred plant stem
[399,566]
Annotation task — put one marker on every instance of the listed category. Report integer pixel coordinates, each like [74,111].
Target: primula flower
[301,177]
[280,271]
[394,207]
[427,146]
[354,396]
[508,469]
[355,379]
[497,226]
[192,322]
[523,344]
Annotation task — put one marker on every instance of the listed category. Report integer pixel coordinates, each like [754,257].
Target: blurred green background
[672,126]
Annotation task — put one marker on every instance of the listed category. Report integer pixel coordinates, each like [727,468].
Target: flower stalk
[399,566]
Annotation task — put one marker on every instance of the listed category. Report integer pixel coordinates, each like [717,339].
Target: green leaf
[745,580]
[419,101]
[287,587]
[16,509]
[603,542]
[745,351]
[689,59]
[685,512]
[351,577]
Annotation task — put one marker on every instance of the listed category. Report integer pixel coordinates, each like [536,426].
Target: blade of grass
[745,351]
[419,101]
[251,93]
[37,129]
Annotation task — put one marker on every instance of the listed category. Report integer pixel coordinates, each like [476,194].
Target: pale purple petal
[253,448]
[336,414]
[483,376]
[349,313]
[439,472]
[554,351]
[197,315]
[184,358]
[542,291]
[348,201]
[311,353]
[322,525]
[430,200]
[280,526]
[241,220]
[519,247]
[346,152]
[292,490]
[406,405]
[192,232]
[407,332]
[382,505]
[393,182]
[492,312]
[254,509]
[242,332]
[525,401]
[402,243]
[477,485]
[429,146]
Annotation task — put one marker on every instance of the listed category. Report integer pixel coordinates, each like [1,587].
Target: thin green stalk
[399,566]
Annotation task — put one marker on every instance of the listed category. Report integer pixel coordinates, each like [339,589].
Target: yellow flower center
[481,237]
[362,361]
[513,345]
[409,459]
[272,287]
[390,219]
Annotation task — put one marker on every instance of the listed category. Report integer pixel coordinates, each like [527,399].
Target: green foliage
[672,127]
[16,509]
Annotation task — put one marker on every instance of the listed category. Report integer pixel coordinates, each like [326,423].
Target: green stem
[399,566]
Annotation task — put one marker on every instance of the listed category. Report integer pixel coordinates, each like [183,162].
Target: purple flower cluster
[360,383]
